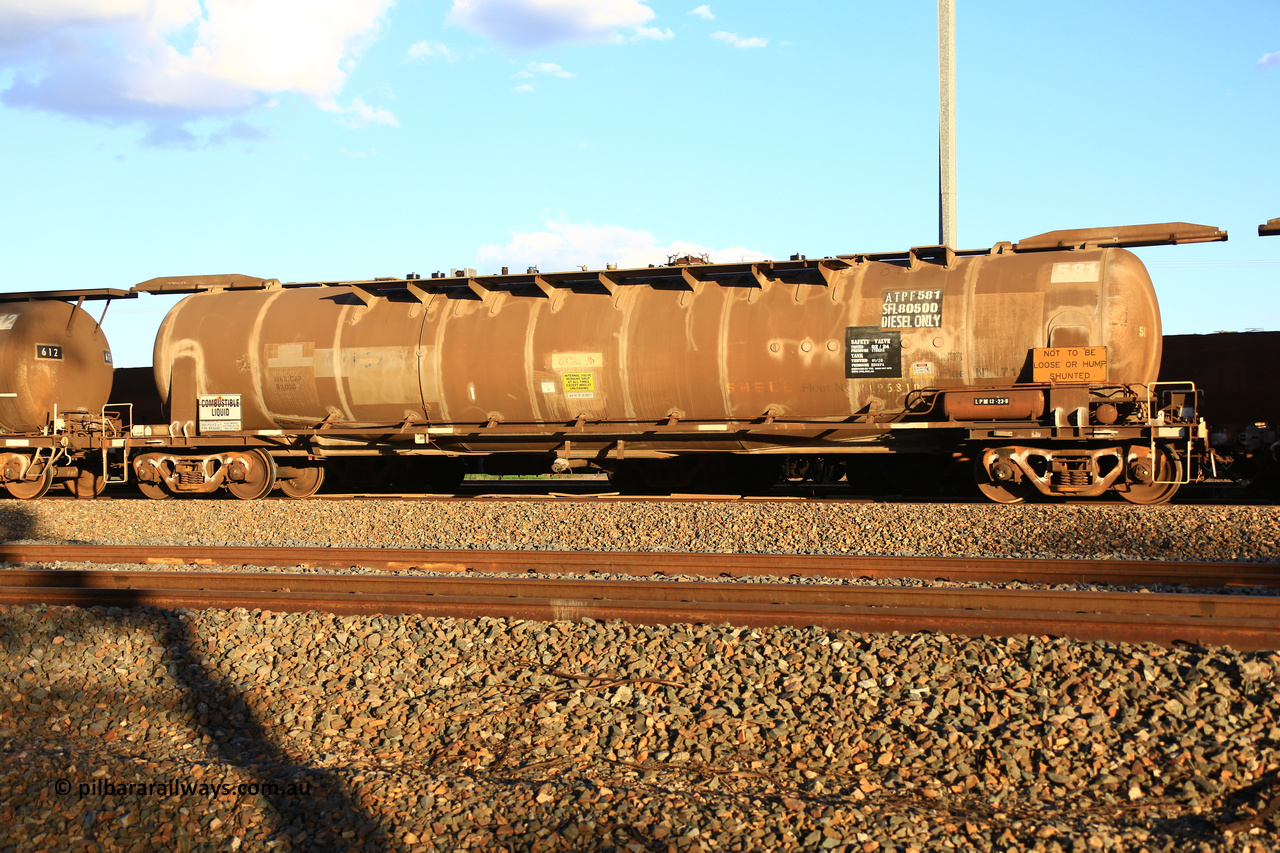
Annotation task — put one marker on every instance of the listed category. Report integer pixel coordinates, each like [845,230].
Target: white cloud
[361,115]
[739,41]
[359,155]
[533,69]
[168,135]
[537,23]
[549,68]
[566,246]
[432,50]
[702,12]
[1271,60]
[22,21]
[176,61]
[652,34]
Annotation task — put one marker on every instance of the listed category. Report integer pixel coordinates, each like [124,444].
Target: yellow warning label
[584,382]
[1069,364]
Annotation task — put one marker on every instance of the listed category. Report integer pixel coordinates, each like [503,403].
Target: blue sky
[334,139]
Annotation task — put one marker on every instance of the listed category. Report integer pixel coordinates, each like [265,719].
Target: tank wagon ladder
[118,446]
[1159,429]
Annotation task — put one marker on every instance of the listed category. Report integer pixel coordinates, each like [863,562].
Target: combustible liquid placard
[1069,364]
[219,412]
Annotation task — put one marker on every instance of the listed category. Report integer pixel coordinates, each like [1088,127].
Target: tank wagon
[1241,401]
[1035,364]
[55,380]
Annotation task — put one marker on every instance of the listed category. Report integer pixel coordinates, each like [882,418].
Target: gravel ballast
[244,730]
[1227,533]
[409,733]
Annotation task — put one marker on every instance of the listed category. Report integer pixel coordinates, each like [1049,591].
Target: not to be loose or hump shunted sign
[1069,364]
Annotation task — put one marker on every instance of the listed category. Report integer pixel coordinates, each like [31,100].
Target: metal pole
[947,123]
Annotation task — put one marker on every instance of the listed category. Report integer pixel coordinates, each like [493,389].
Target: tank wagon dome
[53,357]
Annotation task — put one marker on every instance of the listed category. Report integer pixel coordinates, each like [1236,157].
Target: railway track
[650,563]
[1244,622]
[600,491]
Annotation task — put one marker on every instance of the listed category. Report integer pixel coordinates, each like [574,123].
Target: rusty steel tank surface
[53,356]
[855,340]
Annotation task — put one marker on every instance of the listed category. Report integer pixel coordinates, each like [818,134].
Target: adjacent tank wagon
[1033,363]
[55,380]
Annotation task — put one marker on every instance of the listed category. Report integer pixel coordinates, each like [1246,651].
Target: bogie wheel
[155,491]
[1142,470]
[308,481]
[89,484]
[29,490]
[998,480]
[258,476]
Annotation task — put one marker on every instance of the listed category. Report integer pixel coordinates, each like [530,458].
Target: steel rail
[1244,622]
[651,563]
[1223,492]
[1071,601]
